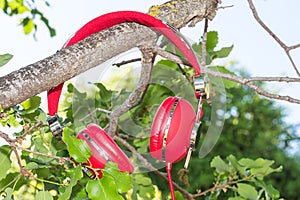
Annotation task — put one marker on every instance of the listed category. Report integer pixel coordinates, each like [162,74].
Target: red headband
[108,20]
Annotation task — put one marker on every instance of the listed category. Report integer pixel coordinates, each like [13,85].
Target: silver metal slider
[55,126]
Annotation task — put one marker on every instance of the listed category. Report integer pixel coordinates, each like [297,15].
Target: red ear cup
[104,149]
[171,130]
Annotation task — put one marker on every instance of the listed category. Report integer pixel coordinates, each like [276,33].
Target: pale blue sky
[254,49]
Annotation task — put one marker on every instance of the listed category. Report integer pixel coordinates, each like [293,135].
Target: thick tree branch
[180,13]
[67,63]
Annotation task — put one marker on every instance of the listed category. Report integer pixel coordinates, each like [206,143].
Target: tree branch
[180,13]
[145,78]
[151,167]
[238,79]
[21,137]
[69,62]
[13,146]
[286,48]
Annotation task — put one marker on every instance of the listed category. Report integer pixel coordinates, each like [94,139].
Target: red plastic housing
[176,118]
[97,140]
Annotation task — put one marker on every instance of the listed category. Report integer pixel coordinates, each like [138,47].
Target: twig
[221,186]
[126,62]
[6,137]
[224,7]
[241,80]
[203,62]
[145,78]
[256,88]
[24,171]
[294,46]
[160,51]
[21,137]
[272,79]
[128,137]
[286,48]
[92,113]
[61,159]
[151,167]
[14,147]
[12,181]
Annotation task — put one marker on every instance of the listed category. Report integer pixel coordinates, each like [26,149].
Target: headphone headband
[108,20]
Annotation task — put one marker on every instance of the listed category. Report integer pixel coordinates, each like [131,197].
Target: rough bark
[179,13]
[96,49]
[69,62]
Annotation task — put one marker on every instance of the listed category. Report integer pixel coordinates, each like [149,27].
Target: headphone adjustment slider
[55,126]
[192,144]
[201,87]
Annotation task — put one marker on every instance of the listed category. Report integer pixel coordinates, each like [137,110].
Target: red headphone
[175,124]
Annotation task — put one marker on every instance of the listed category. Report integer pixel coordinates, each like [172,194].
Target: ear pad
[171,130]
[104,149]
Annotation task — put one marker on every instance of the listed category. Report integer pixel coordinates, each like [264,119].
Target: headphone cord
[168,168]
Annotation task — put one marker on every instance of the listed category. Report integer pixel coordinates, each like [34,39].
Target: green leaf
[146,193]
[212,40]
[78,149]
[77,93]
[260,167]
[30,105]
[75,177]
[179,195]
[143,187]
[43,195]
[5,58]
[220,165]
[2,4]
[9,193]
[45,20]
[122,179]
[105,94]
[28,26]
[247,191]
[269,189]
[11,178]
[12,121]
[234,198]
[4,160]
[141,179]
[31,166]
[222,53]
[104,188]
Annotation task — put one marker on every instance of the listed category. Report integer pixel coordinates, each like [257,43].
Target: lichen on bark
[180,13]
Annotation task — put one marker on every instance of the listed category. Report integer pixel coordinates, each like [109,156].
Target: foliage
[246,175]
[5,58]
[253,129]
[28,13]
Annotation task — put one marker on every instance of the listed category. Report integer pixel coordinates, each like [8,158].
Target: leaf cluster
[253,126]
[28,13]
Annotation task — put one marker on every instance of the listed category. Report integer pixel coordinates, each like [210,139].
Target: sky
[254,50]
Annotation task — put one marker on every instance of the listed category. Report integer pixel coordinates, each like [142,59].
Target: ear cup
[104,149]
[171,130]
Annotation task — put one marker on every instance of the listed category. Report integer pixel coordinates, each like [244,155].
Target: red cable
[169,168]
